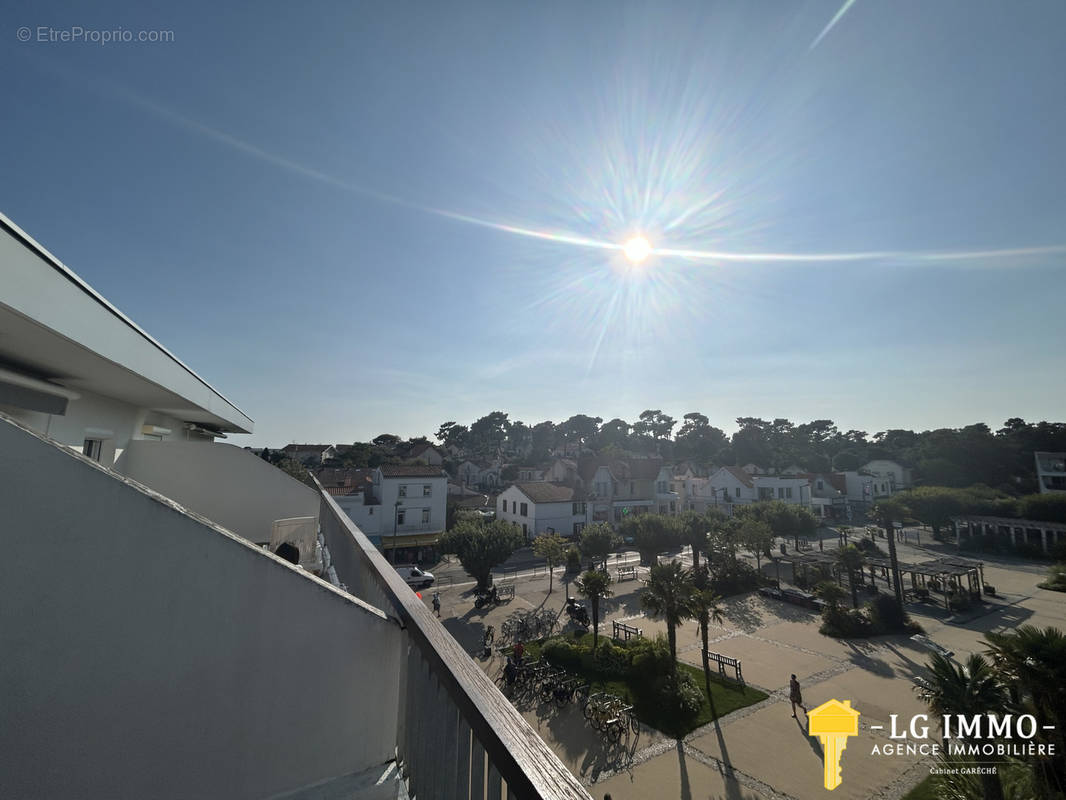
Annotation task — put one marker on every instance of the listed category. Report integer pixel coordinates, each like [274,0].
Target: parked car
[415,577]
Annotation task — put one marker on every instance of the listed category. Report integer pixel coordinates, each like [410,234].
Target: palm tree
[831,593]
[888,512]
[716,524]
[1031,662]
[851,559]
[705,606]
[693,532]
[971,689]
[669,594]
[595,585]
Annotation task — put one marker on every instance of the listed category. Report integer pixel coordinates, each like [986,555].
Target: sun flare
[637,249]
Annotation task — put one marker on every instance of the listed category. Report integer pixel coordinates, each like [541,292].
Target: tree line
[951,457]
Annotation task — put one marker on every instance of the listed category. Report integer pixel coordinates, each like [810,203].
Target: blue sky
[326,209]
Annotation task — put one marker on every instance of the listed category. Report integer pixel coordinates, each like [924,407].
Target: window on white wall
[425,516]
[525,510]
[400,515]
[427,490]
[403,491]
[92,448]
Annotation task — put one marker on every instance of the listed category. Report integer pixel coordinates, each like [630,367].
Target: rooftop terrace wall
[149,653]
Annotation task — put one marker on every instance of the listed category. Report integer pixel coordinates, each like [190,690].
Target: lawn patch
[636,672]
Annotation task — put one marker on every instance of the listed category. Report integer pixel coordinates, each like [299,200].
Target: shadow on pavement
[816,745]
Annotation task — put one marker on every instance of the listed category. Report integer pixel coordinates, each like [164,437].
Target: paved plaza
[761,751]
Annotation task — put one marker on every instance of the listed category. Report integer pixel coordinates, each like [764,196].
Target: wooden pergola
[947,572]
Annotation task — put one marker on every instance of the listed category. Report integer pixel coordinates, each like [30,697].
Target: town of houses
[403,507]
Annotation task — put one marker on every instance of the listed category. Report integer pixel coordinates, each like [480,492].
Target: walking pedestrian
[436,603]
[795,696]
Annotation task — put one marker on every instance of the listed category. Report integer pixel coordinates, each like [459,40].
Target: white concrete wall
[93,416]
[225,483]
[369,518]
[503,506]
[147,653]
[559,516]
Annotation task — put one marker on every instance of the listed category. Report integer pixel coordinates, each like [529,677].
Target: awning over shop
[388,541]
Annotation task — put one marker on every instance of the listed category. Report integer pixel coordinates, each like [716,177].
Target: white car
[415,577]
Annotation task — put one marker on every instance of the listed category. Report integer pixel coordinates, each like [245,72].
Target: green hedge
[638,671]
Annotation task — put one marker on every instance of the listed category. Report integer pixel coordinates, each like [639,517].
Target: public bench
[726,661]
[622,631]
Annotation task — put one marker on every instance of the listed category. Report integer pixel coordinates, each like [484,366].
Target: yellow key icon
[833,722]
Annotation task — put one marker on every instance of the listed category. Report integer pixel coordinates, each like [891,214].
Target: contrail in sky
[566,237]
[832,23]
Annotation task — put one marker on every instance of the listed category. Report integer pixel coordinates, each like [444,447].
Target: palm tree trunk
[671,634]
[705,622]
[695,557]
[854,594]
[595,622]
[890,532]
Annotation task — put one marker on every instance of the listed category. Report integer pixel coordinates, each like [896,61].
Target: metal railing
[457,735]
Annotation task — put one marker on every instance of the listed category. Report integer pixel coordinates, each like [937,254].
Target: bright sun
[637,249]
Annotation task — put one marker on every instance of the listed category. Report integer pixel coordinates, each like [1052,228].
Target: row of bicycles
[525,625]
[606,713]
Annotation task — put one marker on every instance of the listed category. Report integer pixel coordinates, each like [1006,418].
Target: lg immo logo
[833,722]
[966,735]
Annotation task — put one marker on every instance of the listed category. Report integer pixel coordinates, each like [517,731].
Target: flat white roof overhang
[56,328]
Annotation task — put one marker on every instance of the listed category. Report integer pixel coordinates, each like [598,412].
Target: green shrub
[651,657]
[869,547]
[682,697]
[573,560]
[734,577]
[563,653]
[611,661]
[1056,578]
[845,623]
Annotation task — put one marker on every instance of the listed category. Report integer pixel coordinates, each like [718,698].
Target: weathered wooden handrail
[458,735]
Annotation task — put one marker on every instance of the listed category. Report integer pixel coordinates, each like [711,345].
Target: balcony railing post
[450,733]
[477,770]
[462,780]
[495,784]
